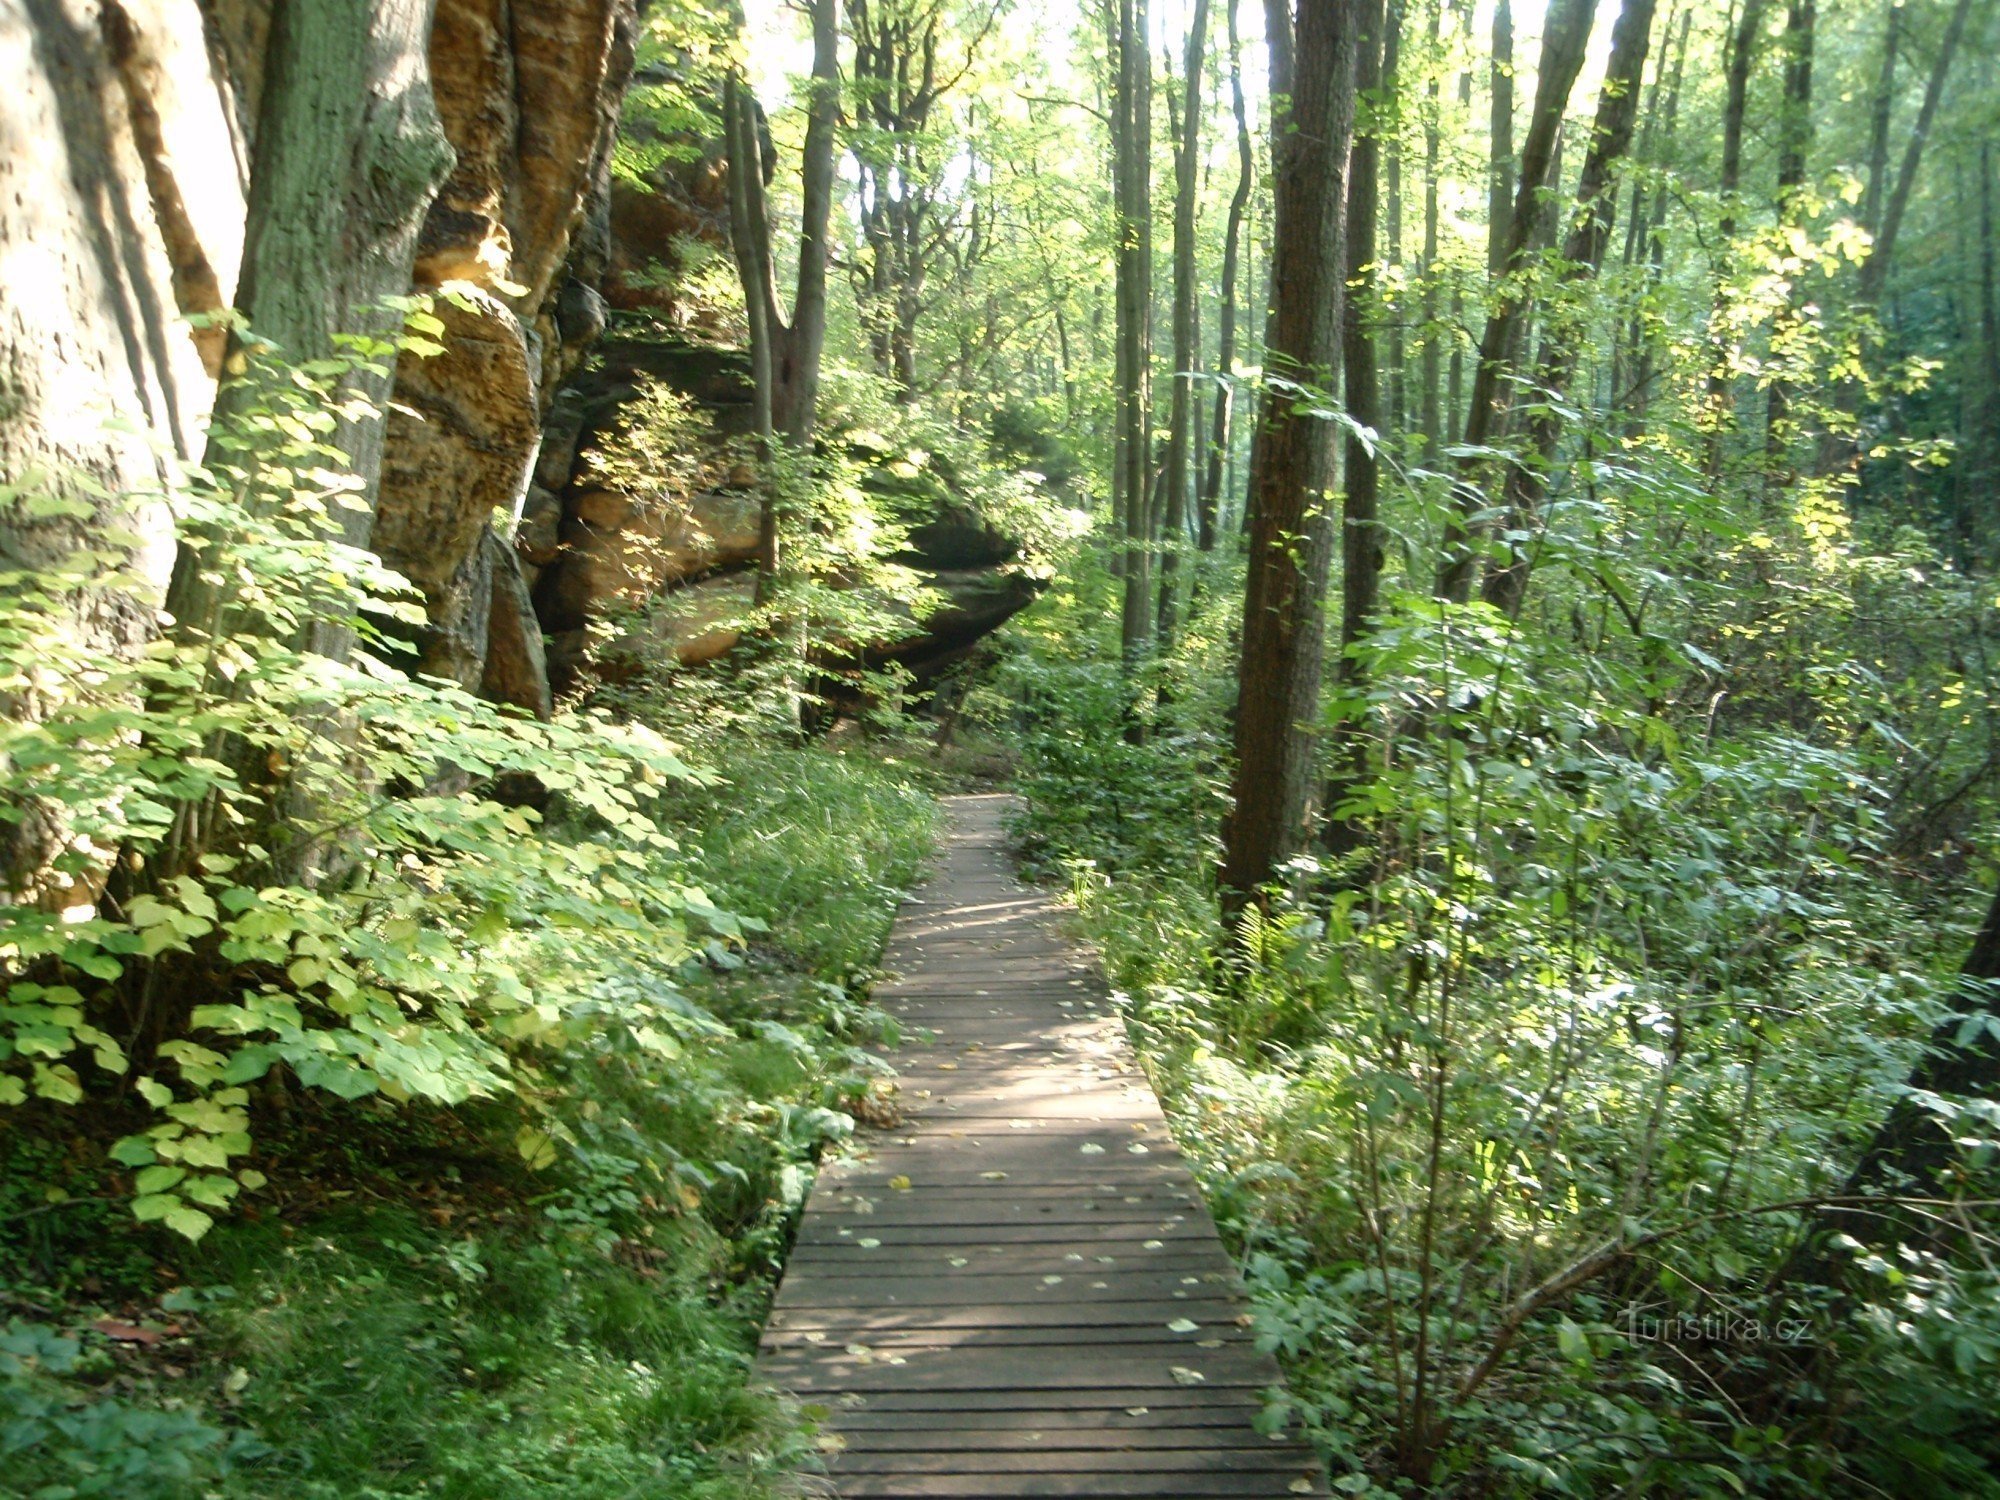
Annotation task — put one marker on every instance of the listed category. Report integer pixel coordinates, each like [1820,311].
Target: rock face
[123,168]
[611,553]
[529,92]
[126,137]
[125,150]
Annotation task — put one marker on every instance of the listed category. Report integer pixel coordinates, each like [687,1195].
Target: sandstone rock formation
[529,92]
[126,143]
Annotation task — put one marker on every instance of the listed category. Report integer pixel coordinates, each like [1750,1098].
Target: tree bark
[1795,125]
[1398,397]
[1912,1152]
[1649,214]
[1565,35]
[1132,192]
[1720,416]
[349,156]
[1361,547]
[1430,415]
[1221,434]
[1186,355]
[1837,445]
[784,357]
[1500,168]
[1878,131]
[1527,477]
[1291,535]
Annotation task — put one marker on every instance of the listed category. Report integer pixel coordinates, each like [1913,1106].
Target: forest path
[1019,1291]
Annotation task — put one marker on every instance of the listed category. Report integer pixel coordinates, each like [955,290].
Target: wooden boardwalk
[1019,1291]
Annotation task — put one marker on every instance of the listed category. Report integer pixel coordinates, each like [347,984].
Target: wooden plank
[1018,1291]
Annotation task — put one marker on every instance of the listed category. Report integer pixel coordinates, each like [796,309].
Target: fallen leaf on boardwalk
[959,1260]
[1182,1325]
[1136,1411]
[1155,1245]
[1300,1486]
[1090,1148]
[994,1176]
[1184,1376]
[832,1442]
[1138,1150]
[900,1184]
[869,1244]
[1051,1280]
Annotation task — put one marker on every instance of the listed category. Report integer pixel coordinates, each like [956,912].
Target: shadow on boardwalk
[1019,1292]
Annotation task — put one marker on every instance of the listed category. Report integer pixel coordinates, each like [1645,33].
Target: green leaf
[188,1221]
[134,1151]
[158,1179]
[536,1148]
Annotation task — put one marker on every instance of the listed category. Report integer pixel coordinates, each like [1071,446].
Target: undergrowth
[419,1306]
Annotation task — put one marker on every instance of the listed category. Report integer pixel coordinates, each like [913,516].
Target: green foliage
[1629,958]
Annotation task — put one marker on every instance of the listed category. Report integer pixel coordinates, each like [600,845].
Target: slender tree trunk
[1500,169]
[1361,547]
[1395,331]
[1640,337]
[1985,443]
[1795,126]
[1133,293]
[1291,535]
[1430,416]
[1837,445]
[1221,435]
[796,365]
[1455,366]
[1527,478]
[1720,417]
[1186,354]
[1565,35]
[1878,132]
[1913,1152]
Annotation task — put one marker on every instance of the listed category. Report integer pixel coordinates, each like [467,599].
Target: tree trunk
[1131,165]
[1186,355]
[1361,548]
[1837,445]
[1795,125]
[797,353]
[1565,35]
[1221,435]
[1878,132]
[1500,168]
[1430,415]
[349,156]
[1398,407]
[1649,215]
[1291,536]
[1720,417]
[1912,1152]
[1527,477]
